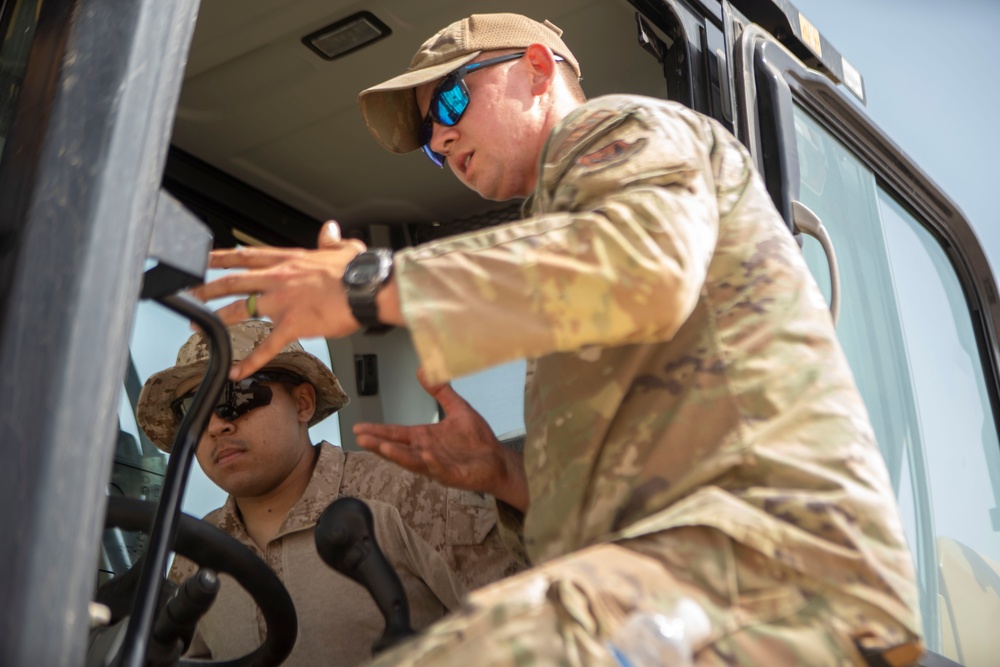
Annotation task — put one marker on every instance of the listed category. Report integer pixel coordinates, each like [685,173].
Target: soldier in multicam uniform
[693,429]
[443,542]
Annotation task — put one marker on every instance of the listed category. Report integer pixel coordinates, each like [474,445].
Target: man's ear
[542,64]
[305,401]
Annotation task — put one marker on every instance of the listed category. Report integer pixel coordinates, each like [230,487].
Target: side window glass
[498,395]
[961,450]
[842,192]
[18,20]
[907,331]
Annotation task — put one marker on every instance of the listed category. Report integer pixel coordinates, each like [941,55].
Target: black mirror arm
[164,529]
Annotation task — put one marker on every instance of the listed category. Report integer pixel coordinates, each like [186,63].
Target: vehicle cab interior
[239,125]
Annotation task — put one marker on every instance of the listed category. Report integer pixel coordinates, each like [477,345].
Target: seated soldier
[442,542]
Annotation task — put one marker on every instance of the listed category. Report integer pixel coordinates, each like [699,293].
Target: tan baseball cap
[158,420]
[390,109]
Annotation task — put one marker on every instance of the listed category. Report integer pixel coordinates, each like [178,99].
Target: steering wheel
[209,547]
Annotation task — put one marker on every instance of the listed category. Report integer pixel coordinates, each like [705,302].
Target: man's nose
[442,137]
[219,426]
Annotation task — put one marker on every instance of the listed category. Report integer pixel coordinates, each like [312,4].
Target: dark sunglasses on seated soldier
[239,398]
[450,100]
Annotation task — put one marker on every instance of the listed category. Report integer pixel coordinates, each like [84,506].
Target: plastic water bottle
[661,640]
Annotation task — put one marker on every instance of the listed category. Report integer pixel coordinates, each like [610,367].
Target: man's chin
[236,484]
[495,195]
[492,192]
[240,490]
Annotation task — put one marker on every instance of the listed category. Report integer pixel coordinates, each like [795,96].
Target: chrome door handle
[809,223]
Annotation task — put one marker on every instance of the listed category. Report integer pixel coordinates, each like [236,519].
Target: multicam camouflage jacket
[442,543]
[687,371]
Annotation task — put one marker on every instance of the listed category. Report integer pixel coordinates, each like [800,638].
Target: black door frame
[79,183]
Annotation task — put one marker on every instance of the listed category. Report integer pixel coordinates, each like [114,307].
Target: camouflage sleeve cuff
[510,523]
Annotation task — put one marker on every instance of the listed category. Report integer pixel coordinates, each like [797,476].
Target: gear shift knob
[345,540]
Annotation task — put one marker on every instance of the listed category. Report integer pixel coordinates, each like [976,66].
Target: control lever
[345,540]
[176,622]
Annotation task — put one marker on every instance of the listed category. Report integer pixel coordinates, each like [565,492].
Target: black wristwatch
[364,276]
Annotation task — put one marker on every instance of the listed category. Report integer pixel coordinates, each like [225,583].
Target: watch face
[361,270]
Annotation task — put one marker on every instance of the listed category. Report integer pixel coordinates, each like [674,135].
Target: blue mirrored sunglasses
[450,100]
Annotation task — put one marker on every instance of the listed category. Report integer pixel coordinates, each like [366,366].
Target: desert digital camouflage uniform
[442,542]
[688,402]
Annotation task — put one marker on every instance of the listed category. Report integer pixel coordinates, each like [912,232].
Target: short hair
[572,81]
[564,67]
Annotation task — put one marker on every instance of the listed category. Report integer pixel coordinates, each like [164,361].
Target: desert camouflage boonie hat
[390,108]
[158,420]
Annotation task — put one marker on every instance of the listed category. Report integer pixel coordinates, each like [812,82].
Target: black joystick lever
[176,622]
[345,540]
[180,617]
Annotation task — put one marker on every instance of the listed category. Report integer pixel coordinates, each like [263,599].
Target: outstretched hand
[459,451]
[299,290]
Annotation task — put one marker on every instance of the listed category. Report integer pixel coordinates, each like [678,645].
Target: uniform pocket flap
[470,517]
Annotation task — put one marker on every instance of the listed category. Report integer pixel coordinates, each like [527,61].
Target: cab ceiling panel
[262,107]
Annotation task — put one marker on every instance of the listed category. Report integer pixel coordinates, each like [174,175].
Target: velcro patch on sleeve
[570,137]
[612,153]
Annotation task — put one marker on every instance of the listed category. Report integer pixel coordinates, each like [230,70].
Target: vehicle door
[89,90]
[916,313]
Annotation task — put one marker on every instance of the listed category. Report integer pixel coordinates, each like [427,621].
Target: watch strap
[361,299]
[365,311]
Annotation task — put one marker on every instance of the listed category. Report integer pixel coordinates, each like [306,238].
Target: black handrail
[164,529]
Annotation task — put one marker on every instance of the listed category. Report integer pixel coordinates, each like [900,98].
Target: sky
[933,82]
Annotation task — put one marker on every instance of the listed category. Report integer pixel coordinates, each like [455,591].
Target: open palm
[459,451]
